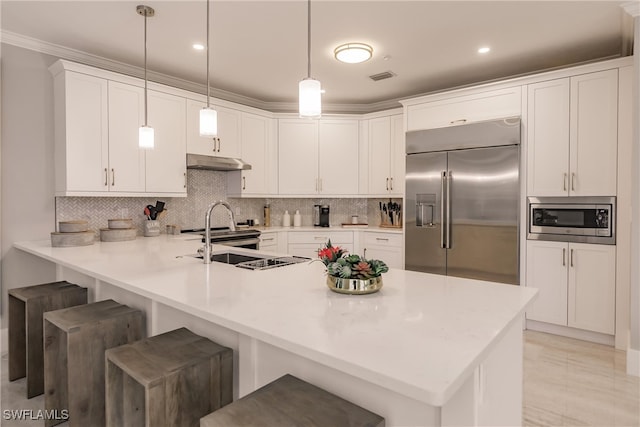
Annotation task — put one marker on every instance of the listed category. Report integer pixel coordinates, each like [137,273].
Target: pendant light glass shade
[309,98]
[145,133]
[208,116]
[309,90]
[208,122]
[145,137]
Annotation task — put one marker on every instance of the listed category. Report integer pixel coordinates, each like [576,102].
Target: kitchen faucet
[207,228]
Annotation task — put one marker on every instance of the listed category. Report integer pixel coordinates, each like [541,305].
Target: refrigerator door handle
[449,210]
[442,202]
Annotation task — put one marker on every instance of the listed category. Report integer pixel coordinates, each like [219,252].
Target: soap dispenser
[286,219]
[297,221]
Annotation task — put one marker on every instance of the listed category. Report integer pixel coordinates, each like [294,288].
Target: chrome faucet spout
[207,227]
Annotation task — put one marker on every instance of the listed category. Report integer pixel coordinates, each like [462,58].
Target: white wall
[27,166]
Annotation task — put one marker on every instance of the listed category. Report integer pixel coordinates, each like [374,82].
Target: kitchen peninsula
[425,350]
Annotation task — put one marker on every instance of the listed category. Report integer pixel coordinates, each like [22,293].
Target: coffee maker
[324,216]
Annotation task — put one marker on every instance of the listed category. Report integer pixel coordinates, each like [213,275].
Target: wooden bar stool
[75,342]
[289,401]
[26,308]
[172,379]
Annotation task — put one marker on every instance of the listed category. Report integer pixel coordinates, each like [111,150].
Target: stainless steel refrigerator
[462,192]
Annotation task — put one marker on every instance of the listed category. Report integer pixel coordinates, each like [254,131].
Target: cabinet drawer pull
[320,238]
[391,180]
[185,180]
[106,177]
[244,183]
[564,253]
[364,255]
[113,177]
[564,182]
[219,144]
[267,240]
[382,239]
[458,121]
[571,258]
[387,184]
[573,181]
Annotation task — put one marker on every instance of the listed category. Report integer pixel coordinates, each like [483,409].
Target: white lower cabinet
[576,284]
[385,247]
[307,243]
[269,241]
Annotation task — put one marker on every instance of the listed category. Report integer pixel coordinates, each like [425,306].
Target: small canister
[151,228]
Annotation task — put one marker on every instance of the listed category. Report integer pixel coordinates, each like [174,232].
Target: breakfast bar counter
[424,350]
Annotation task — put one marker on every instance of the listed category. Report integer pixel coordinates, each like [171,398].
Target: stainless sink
[253,262]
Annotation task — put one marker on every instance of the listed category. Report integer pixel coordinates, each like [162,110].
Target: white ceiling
[259,47]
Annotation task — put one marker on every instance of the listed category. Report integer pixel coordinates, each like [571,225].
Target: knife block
[385,221]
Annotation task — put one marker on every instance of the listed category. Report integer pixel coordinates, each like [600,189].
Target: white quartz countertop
[326,229]
[422,335]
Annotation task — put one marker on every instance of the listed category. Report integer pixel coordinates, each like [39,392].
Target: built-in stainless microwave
[573,219]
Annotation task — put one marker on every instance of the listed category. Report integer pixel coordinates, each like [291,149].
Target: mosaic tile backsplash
[203,188]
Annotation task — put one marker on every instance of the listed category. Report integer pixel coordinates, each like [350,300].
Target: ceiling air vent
[382,76]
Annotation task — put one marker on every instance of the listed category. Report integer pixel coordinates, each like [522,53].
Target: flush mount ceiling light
[484,49]
[145,132]
[208,116]
[309,90]
[353,53]
[198,46]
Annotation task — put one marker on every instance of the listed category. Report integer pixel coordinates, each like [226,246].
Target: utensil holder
[151,228]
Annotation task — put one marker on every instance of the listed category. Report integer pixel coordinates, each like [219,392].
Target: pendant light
[208,116]
[145,133]
[309,89]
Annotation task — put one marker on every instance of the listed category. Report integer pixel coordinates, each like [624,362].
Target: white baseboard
[568,332]
[633,362]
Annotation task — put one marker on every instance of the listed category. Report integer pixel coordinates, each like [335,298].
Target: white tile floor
[567,382]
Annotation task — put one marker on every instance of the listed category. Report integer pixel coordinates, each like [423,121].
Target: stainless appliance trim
[489,133]
[605,236]
[199,161]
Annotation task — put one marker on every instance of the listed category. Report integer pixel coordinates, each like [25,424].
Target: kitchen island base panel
[27,306]
[74,362]
[291,401]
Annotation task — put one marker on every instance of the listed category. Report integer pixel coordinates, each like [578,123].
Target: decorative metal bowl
[354,286]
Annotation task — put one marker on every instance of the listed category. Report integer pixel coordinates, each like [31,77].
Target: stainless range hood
[212,163]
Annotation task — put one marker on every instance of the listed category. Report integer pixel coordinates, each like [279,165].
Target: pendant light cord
[208,54]
[145,66]
[308,38]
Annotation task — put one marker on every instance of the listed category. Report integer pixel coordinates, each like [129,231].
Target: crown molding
[85,58]
[632,8]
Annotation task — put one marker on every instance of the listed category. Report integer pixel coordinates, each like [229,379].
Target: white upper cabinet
[318,157]
[434,112]
[81,134]
[548,138]
[338,157]
[126,171]
[226,144]
[258,151]
[386,156]
[297,156]
[572,136]
[166,169]
[593,137]
[96,136]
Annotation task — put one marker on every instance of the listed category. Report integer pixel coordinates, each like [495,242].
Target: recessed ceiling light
[484,49]
[353,53]
[198,46]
